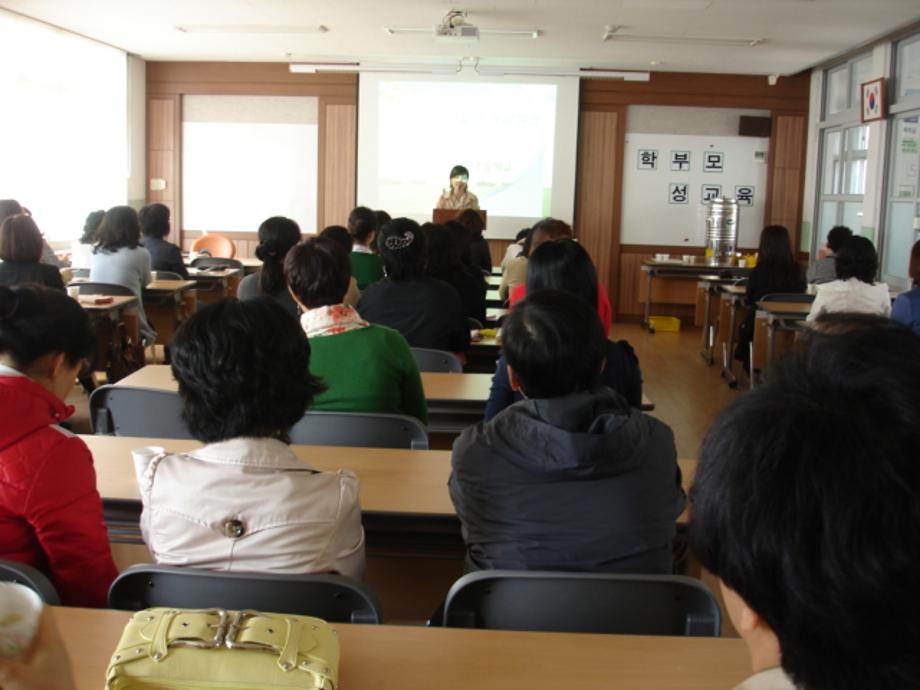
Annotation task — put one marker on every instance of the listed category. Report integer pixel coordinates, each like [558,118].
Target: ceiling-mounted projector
[455,28]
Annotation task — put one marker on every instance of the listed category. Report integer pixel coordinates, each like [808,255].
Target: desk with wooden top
[419,658]
[781,312]
[731,299]
[216,283]
[493,299]
[494,281]
[105,317]
[167,304]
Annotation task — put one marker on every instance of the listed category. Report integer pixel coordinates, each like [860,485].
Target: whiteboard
[653,208]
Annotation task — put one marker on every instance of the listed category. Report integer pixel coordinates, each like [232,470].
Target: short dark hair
[402,246]
[119,228]
[837,236]
[472,222]
[9,207]
[91,226]
[563,265]
[154,220]
[857,259]
[243,370]
[555,344]
[843,322]
[362,221]
[459,170]
[20,240]
[913,266]
[382,217]
[805,504]
[443,248]
[318,272]
[547,229]
[276,237]
[339,234]
[36,321]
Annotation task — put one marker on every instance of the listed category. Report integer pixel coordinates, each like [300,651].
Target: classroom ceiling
[669,35]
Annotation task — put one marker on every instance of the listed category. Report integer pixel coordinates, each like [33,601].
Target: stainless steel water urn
[721,229]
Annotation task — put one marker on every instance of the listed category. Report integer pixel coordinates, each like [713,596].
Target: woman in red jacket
[50,511]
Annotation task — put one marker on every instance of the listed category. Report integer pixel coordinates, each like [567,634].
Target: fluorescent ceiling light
[250,29]
[320,67]
[512,33]
[525,71]
[612,33]
[456,68]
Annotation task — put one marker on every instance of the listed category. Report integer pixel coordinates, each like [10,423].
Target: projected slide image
[503,133]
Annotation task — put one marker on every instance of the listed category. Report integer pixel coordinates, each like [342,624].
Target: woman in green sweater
[366,367]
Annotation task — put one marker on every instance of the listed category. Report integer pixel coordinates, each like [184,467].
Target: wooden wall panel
[497,249]
[164,142]
[338,162]
[597,191]
[786,174]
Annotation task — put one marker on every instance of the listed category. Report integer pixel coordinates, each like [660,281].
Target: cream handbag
[192,649]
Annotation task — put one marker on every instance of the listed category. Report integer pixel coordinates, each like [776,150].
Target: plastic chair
[359,429]
[583,602]
[216,262]
[334,598]
[102,289]
[34,579]
[436,360]
[128,411]
[215,245]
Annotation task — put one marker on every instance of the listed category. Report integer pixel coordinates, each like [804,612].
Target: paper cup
[20,611]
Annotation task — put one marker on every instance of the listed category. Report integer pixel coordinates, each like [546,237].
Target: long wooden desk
[781,312]
[215,284]
[375,657]
[167,304]
[105,318]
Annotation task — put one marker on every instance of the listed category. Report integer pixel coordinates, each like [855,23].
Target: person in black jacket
[565,265]
[572,477]
[164,256]
[428,312]
[444,263]
[776,271]
[21,245]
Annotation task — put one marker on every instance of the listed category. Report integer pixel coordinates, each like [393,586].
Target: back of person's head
[362,222]
[554,343]
[243,369]
[546,230]
[91,226]
[857,259]
[472,221]
[154,220]
[276,237]
[521,234]
[9,207]
[36,321]
[444,260]
[20,240]
[119,228]
[843,322]
[318,272]
[775,247]
[382,217]
[563,265]
[402,247]
[805,504]
[339,234]
[837,236]
[913,267]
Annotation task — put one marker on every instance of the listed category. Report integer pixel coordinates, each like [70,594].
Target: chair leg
[753,373]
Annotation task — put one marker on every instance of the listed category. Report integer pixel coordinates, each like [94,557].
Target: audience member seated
[365,368]
[276,237]
[366,266]
[339,234]
[20,251]
[906,308]
[572,478]
[824,269]
[164,255]
[50,511]
[565,265]
[244,501]
[81,250]
[382,217]
[515,272]
[515,248]
[805,507]
[119,258]
[776,271]
[11,207]
[855,289]
[445,263]
[428,312]
[477,247]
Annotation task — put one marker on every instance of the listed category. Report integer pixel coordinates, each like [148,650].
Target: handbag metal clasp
[237,625]
[221,630]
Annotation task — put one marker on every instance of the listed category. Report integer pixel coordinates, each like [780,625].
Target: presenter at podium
[458,197]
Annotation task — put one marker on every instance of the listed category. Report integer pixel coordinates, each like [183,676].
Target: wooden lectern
[442,215]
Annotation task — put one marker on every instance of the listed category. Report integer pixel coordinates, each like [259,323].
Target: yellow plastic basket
[664,324]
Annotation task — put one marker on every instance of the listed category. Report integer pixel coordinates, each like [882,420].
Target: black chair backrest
[583,602]
[93,288]
[166,275]
[428,359]
[216,262]
[34,579]
[359,429]
[799,297]
[128,411]
[335,598]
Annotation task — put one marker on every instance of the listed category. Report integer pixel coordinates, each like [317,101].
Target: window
[63,128]
[842,87]
[843,178]
[908,70]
